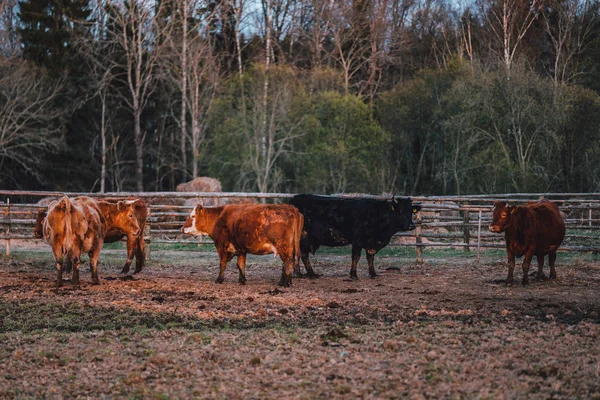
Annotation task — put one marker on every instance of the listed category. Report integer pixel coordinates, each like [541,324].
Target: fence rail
[444,221]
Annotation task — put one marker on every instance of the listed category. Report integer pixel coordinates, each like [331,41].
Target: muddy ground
[448,329]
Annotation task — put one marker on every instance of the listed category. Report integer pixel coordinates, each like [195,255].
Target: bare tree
[350,39]
[569,28]
[134,29]
[270,131]
[509,21]
[193,67]
[29,121]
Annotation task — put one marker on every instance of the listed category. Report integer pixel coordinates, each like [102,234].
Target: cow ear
[513,209]
[121,206]
[416,208]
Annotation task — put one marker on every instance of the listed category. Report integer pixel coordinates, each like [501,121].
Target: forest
[414,97]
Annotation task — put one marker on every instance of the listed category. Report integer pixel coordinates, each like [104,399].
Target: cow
[72,228]
[115,232]
[536,229]
[364,223]
[241,229]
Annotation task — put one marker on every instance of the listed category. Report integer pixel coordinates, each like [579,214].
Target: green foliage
[343,147]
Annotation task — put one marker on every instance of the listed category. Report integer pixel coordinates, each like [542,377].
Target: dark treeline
[330,96]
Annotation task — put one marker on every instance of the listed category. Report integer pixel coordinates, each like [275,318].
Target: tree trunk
[103,138]
[263,138]
[139,150]
[184,72]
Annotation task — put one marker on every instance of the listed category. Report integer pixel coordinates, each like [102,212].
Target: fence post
[418,239]
[590,217]
[466,232]
[479,237]
[7,215]
[145,234]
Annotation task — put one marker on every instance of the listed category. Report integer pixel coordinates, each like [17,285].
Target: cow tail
[65,205]
[297,235]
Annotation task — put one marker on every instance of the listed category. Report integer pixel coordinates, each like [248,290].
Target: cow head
[501,215]
[125,220]
[403,210]
[195,223]
[38,230]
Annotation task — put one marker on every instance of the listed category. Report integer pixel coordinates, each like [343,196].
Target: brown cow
[238,229]
[115,231]
[72,228]
[532,229]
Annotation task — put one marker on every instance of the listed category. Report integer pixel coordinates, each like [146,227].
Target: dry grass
[447,329]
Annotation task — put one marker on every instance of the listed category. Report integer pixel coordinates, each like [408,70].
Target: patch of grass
[31,316]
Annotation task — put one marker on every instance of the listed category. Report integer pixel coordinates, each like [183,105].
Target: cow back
[540,225]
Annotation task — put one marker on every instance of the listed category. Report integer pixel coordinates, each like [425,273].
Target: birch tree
[509,21]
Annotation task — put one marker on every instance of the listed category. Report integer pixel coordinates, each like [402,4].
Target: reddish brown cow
[532,229]
[238,229]
[72,228]
[115,229]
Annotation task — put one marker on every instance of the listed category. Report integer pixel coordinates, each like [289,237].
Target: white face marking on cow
[192,230]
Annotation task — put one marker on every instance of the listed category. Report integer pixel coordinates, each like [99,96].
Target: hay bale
[203,201]
[238,200]
[200,184]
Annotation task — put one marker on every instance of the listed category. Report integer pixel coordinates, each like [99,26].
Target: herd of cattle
[73,226]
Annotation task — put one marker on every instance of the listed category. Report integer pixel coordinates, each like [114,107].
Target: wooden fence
[458,222]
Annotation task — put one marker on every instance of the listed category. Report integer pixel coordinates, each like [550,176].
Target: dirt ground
[448,329]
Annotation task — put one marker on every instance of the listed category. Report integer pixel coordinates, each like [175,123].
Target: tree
[242,139]
[508,22]
[569,27]
[133,29]
[29,120]
[48,29]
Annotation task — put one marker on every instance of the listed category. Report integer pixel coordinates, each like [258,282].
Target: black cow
[364,223]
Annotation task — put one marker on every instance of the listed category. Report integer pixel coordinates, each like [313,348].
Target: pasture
[450,328]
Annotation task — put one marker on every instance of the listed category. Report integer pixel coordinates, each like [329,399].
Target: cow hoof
[242,281]
[125,270]
[219,280]
[525,282]
[137,271]
[373,276]
[314,276]
[299,275]
[95,281]
[59,283]
[285,281]
[354,278]
[509,283]
[552,276]
[540,277]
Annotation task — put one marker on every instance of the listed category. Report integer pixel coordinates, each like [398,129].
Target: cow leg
[297,272]
[140,256]
[94,254]
[511,265]
[370,258]
[59,270]
[68,266]
[58,257]
[355,257]
[223,259]
[540,260]
[526,264]
[286,271]
[310,272]
[76,264]
[130,248]
[241,264]
[552,261]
